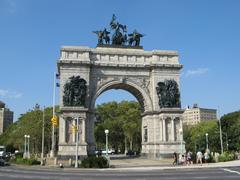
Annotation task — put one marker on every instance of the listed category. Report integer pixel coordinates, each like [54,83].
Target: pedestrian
[183,159]
[174,158]
[189,157]
[199,157]
[206,156]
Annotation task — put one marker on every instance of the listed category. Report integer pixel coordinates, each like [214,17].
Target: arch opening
[141,96]
[125,116]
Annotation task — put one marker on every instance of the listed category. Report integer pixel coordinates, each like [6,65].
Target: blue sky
[205,33]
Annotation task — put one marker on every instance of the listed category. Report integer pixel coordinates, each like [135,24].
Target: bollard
[55,161]
[70,162]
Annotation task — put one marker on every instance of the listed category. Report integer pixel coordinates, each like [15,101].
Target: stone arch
[134,70]
[140,94]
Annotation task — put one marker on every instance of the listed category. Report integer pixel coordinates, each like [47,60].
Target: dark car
[2,162]
[132,153]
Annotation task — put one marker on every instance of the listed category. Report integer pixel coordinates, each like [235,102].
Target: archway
[151,76]
[120,113]
[141,96]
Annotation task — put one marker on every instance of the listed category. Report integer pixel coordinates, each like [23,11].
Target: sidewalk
[145,166]
[192,166]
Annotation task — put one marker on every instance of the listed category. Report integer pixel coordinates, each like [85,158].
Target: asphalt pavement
[148,173]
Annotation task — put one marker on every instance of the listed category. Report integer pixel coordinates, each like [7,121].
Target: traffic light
[74,129]
[54,120]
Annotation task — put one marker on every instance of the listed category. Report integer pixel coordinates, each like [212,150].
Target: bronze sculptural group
[103,36]
[119,36]
[75,92]
[168,94]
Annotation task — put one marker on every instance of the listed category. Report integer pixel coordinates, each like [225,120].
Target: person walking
[174,158]
[199,157]
[206,156]
[189,158]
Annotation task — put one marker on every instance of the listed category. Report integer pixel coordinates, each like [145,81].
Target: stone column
[73,135]
[181,123]
[64,130]
[160,130]
[173,132]
[83,130]
[154,129]
[164,129]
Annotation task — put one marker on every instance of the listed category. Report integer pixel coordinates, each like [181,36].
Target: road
[17,173]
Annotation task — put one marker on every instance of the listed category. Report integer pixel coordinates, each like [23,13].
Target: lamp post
[25,146]
[52,152]
[181,139]
[225,134]
[28,153]
[206,140]
[106,132]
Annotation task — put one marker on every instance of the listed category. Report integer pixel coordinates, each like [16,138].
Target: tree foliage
[231,130]
[195,136]
[29,123]
[123,120]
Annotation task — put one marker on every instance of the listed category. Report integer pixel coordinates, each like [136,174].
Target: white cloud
[10,94]
[196,72]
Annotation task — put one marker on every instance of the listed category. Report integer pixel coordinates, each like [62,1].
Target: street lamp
[181,139]
[106,132]
[225,134]
[28,153]
[206,140]
[25,146]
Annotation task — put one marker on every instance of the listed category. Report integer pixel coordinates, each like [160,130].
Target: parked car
[110,151]
[2,162]
[103,152]
[2,151]
[132,153]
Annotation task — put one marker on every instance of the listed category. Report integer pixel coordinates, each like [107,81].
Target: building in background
[6,117]
[194,115]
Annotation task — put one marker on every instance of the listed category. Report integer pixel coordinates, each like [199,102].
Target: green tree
[124,123]
[29,123]
[231,132]
[195,136]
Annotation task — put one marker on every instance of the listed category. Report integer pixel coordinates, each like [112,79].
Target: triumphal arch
[120,63]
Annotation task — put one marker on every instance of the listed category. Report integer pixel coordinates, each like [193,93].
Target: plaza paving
[127,163]
[138,162]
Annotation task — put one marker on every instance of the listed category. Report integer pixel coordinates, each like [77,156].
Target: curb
[141,168]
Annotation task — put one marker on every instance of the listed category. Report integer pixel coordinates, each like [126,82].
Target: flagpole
[42,155]
[52,153]
[220,130]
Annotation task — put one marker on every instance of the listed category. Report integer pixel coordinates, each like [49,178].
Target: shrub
[26,161]
[19,155]
[94,162]
[226,156]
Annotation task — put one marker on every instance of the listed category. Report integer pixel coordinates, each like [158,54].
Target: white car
[110,151]
[2,151]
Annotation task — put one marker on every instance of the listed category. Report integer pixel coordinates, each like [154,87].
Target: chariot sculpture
[119,35]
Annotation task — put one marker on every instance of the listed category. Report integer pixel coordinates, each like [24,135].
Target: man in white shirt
[199,157]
